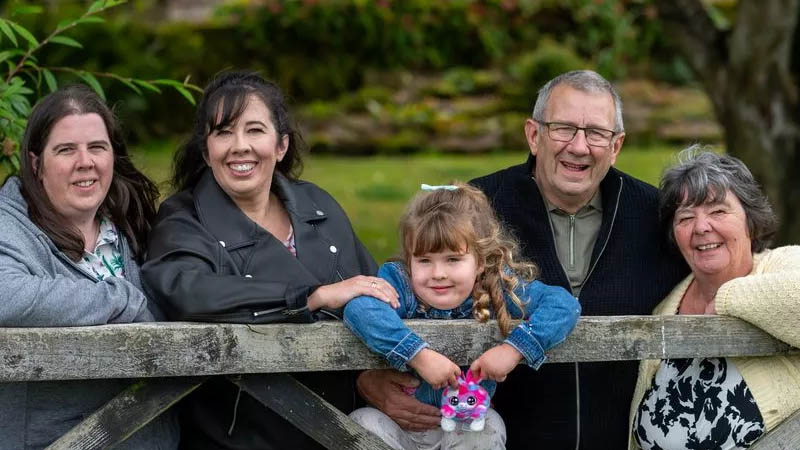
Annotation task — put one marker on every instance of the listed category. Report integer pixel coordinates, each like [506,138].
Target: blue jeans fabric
[550,314]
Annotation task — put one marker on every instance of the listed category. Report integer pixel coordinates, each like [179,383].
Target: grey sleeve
[31,295]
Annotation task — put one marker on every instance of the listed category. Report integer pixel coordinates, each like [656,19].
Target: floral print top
[289,242]
[696,404]
[106,260]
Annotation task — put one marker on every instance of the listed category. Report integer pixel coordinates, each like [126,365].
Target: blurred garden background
[393,93]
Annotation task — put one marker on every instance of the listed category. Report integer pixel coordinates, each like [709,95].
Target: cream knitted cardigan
[769,298]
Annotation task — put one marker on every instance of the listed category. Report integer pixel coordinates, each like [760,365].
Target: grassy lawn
[374,190]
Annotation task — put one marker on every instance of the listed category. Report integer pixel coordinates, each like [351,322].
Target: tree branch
[46,40]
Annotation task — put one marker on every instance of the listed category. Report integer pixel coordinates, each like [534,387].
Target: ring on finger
[374,285]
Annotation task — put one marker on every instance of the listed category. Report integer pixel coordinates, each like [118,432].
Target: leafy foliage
[23,78]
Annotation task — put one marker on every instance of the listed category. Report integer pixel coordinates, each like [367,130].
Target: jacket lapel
[315,262]
[220,215]
[316,251]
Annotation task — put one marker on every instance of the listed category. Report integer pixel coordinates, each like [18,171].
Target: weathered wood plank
[785,436]
[306,410]
[126,413]
[183,349]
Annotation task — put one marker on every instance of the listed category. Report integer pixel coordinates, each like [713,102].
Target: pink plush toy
[469,402]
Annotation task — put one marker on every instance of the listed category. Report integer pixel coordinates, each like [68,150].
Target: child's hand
[496,363]
[435,368]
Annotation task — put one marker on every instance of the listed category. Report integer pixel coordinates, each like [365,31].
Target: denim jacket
[550,313]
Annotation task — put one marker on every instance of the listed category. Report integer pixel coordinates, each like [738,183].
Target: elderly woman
[74,226]
[721,223]
[245,241]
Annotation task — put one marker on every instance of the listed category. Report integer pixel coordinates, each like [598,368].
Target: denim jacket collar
[463,311]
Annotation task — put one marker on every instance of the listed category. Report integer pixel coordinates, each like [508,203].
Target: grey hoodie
[41,287]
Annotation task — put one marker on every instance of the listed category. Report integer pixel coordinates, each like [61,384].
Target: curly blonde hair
[462,220]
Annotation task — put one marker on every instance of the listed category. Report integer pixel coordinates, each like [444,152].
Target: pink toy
[469,402]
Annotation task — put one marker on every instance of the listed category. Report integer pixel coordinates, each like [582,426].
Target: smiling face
[569,173]
[243,155]
[76,166]
[443,280]
[713,238]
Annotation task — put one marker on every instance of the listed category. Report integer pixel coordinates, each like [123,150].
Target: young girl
[457,263]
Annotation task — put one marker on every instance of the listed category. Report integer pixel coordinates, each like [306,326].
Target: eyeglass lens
[565,133]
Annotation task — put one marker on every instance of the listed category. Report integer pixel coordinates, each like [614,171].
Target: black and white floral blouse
[697,404]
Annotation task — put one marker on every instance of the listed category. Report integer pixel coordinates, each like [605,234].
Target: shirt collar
[108,233]
[462,311]
[595,203]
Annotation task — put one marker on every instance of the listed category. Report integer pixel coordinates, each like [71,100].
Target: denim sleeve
[380,327]
[550,314]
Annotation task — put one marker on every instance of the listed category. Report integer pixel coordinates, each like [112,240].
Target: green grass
[374,190]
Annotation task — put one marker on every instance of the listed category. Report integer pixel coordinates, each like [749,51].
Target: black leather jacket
[207,261]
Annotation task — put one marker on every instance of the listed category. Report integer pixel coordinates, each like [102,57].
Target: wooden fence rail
[194,351]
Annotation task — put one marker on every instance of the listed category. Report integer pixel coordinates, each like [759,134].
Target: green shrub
[533,69]
[26,79]
[328,50]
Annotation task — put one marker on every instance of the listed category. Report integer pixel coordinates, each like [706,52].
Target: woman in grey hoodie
[74,228]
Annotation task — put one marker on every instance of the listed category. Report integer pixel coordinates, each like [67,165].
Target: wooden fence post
[309,412]
[126,413]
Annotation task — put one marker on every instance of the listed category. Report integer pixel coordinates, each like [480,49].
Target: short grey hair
[702,176]
[585,81]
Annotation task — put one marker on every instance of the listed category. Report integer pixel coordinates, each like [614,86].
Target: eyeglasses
[564,132]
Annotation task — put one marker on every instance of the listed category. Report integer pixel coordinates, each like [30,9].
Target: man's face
[569,173]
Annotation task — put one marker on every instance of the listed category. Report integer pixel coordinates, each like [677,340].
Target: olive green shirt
[575,235]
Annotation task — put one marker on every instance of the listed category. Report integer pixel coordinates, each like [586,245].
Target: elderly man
[591,229]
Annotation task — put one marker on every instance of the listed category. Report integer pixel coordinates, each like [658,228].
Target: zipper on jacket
[569,286]
[293,312]
[572,241]
[586,278]
[267,311]
[577,407]
[599,255]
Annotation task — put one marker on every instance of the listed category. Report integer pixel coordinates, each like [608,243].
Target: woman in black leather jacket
[244,241]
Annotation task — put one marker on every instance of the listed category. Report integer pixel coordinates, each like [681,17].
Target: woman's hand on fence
[496,363]
[336,295]
[435,368]
[383,389]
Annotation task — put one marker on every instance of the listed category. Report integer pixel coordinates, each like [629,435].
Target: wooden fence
[174,358]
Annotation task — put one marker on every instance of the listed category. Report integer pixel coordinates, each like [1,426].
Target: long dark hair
[131,199]
[224,100]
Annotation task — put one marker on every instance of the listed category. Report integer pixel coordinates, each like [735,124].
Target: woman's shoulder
[178,203]
[14,219]
[777,259]
[314,192]
[779,253]
[11,198]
